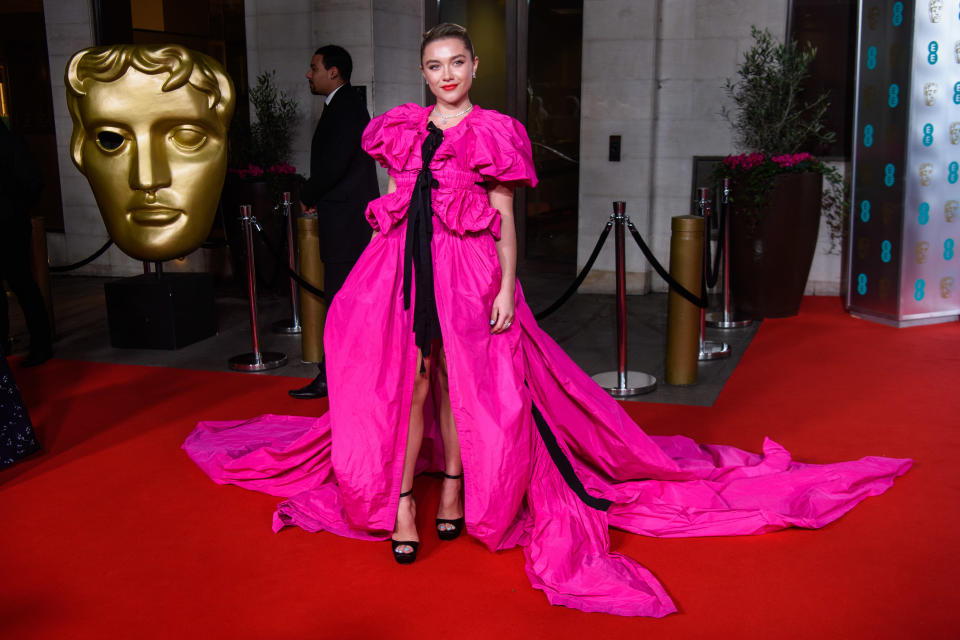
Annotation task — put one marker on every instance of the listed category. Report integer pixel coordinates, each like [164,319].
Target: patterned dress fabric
[16,434]
[550,460]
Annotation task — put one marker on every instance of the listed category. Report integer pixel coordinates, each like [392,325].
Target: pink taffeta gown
[550,460]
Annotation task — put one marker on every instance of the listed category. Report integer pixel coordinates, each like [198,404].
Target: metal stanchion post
[290,325]
[726,319]
[622,383]
[255,361]
[709,349]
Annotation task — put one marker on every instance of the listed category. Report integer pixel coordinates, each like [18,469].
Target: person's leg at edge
[334,275]
[451,495]
[406,526]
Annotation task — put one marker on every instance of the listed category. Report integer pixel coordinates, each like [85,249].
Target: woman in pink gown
[435,363]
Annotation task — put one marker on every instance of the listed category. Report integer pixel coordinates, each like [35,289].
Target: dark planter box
[772,248]
[169,312]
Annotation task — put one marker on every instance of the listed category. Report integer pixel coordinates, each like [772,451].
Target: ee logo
[872,58]
[897,14]
[885,248]
[865,211]
[918,288]
[868,136]
[927,134]
[952,170]
[948,249]
[932,49]
[893,95]
[889,174]
[924,217]
[862,284]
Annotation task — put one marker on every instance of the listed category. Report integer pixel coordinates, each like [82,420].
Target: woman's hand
[501,315]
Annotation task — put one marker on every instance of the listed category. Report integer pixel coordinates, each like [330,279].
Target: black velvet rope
[76,265]
[713,266]
[700,301]
[284,261]
[572,289]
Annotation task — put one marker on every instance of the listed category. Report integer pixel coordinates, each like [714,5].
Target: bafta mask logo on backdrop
[863,248]
[883,288]
[870,97]
[936,10]
[150,135]
[921,251]
[930,94]
[895,53]
[888,212]
[955,133]
[956,50]
[866,176]
[926,174]
[946,286]
[893,132]
[873,18]
[950,210]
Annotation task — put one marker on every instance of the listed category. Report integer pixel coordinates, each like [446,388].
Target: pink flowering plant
[774,120]
[264,146]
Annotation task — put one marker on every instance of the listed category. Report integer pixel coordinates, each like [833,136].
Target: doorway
[530,68]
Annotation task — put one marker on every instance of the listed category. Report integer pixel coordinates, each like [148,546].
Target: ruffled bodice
[486,146]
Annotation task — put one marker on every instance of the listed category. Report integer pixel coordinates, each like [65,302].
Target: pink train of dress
[550,460]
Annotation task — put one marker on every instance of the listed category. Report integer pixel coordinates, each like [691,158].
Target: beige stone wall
[653,73]
[70,28]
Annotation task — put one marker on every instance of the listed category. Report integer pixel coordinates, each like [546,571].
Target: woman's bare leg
[451,501]
[406,527]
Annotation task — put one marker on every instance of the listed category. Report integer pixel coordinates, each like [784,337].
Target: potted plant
[777,188]
[260,172]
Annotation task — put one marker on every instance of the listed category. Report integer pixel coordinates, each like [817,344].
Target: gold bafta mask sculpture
[950,210]
[921,251]
[930,94]
[946,286]
[150,135]
[926,173]
[955,133]
[936,10]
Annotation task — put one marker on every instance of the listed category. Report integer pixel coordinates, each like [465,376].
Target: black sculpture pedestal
[160,311]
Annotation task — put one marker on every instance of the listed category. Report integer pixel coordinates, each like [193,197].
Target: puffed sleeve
[499,148]
[390,137]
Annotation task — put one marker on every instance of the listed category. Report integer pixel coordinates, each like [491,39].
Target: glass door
[530,52]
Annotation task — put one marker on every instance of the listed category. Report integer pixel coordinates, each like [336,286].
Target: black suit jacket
[343,178]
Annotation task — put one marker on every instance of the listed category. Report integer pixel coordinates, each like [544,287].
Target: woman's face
[448,69]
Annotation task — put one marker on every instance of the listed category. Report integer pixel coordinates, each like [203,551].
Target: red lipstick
[448,87]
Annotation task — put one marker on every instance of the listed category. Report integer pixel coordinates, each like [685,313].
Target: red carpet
[113,533]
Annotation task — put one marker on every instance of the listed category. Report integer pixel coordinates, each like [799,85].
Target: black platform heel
[399,556]
[454,533]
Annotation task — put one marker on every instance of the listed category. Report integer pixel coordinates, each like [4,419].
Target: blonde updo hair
[447,30]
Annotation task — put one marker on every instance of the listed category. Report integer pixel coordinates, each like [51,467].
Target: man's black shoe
[37,357]
[316,389]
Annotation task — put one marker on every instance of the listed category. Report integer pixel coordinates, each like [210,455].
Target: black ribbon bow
[417,258]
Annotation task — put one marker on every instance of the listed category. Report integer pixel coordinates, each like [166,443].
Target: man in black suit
[343,179]
[20,184]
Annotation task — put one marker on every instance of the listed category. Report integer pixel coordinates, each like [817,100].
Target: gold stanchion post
[683,317]
[313,309]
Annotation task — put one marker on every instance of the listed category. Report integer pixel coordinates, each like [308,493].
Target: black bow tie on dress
[417,258]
